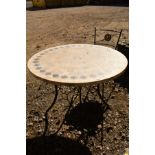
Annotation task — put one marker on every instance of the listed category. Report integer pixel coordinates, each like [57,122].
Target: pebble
[99,126]
[52,130]
[35,119]
[27,134]
[116,89]
[67,127]
[40,131]
[115,122]
[119,121]
[30,124]
[51,120]
[79,132]
[117,113]
[109,114]
[40,120]
[60,133]
[68,135]
[126,151]
[99,147]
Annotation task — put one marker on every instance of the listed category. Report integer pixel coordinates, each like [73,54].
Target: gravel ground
[51,27]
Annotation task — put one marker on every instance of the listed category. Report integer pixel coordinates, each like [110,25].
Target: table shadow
[86,116]
[55,145]
[123,80]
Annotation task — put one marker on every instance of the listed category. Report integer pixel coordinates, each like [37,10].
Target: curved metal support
[101,96]
[86,97]
[99,93]
[80,96]
[46,113]
[70,105]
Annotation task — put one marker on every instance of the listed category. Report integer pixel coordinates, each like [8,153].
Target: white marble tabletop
[77,64]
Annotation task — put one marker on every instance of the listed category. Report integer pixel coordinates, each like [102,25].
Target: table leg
[86,97]
[70,105]
[46,113]
[102,97]
[80,97]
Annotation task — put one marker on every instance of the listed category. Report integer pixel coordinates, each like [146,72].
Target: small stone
[115,122]
[117,113]
[79,132]
[27,134]
[40,131]
[68,135]
[35,119]
[30,124]
[51,120]
[109,114]
[52,130]
[116,89]
[40,120]
[60,133]
[99,126]
[126,151]
[99,147]
[107,148]
[119,121]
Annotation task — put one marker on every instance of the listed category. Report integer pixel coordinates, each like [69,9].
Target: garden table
[77,65]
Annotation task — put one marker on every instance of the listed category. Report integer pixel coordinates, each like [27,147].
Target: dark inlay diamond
[42,71]
[48,73]
[83,77]
[92,75]
[73,77]
[55,75]
[38,68]
[64,76]
[35,61]
[36,65]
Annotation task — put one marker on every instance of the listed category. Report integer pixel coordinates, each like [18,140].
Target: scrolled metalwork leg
[101,96]
[86,97]
[46,113]
[80,96]
[70,105]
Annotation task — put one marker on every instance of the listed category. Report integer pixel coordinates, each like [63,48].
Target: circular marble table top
[77,64]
